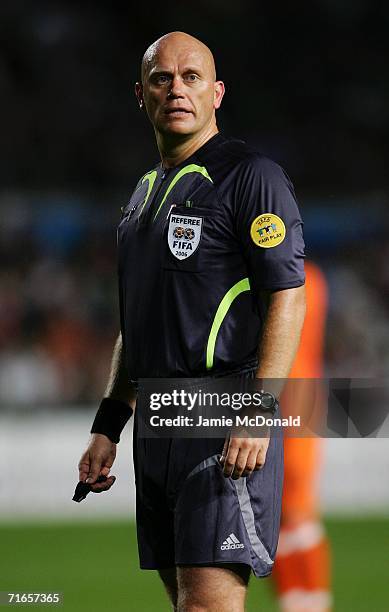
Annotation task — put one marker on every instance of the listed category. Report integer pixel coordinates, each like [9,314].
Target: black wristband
[111,418]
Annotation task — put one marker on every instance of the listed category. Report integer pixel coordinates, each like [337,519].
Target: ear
[219,93]
[139,94]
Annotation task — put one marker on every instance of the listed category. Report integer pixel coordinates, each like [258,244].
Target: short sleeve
[269,225]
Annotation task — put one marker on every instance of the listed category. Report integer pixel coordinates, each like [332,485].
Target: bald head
[172,42]
[179,89]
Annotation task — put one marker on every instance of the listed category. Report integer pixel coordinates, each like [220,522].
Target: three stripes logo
[231,543]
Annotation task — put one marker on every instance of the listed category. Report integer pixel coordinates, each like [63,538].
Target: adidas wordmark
[231,543]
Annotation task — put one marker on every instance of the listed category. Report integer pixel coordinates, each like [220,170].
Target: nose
[175,90]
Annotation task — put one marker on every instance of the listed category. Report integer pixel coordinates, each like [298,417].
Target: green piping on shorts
[237,289]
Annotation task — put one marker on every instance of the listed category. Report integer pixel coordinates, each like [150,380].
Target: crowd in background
[59,307]
[58,300]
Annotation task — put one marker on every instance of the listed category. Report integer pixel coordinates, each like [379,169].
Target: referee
[211,282]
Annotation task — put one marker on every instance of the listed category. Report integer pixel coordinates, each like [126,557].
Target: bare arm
[277,350]
[100,454]
[281,333]
[119,386]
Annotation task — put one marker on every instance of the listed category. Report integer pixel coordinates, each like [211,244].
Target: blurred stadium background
[305,83]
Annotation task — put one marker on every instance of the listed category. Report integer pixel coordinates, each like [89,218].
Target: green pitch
[96,567]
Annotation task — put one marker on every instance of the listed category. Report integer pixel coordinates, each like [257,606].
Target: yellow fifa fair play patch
[267,230]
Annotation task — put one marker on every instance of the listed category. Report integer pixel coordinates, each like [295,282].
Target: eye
[192,77]
[162,79]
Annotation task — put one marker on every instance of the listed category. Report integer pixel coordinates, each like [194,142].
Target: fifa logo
[181,232]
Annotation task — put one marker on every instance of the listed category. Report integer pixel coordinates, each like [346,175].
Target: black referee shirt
[197,244]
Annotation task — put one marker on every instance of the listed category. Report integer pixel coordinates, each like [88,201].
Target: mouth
[177,112]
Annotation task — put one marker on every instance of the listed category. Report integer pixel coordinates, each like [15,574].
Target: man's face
[179,89]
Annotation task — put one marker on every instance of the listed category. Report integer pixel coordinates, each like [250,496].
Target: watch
[269,402]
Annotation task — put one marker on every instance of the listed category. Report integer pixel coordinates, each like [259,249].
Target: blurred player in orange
[302,568]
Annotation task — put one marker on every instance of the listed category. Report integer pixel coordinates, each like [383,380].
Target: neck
[174,150]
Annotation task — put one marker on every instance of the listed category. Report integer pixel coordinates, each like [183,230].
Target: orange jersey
[304,397]
[309,359]
[302,455]
[302,567]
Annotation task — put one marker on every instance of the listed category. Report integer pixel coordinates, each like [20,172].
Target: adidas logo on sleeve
[231,543]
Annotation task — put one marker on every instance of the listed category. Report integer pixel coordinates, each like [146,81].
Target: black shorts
[188,513]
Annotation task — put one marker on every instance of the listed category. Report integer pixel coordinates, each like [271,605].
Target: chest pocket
[187,235]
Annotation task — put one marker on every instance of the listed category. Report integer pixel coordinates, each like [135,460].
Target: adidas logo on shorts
[231,543]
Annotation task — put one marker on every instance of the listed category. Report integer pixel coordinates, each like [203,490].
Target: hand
[242,455]
[98,460]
